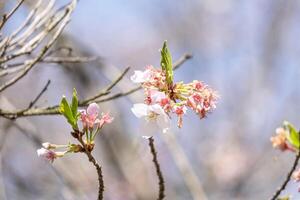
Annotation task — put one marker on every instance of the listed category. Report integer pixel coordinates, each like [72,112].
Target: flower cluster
[90,120]
[163,99]
[92,123]
[286,138]
[280,141]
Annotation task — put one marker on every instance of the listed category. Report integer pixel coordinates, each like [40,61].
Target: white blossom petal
[141,76]
[140,110]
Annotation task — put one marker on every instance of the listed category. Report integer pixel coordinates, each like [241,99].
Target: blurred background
[246,50]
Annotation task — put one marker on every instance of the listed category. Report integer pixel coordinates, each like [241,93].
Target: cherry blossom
[48,154]
[279,141]
[152,113]
[172,98]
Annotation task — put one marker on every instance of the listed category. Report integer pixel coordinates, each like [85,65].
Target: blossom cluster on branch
[163,97]
[287,139]
[91,124]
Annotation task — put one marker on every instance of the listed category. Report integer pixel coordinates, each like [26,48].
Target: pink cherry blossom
[105,119]
[47,154]
[175,98]
[141,76]
[89,116]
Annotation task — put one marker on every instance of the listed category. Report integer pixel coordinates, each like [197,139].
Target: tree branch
[5,17]
[39,95]
[161,191]
[53,110]
[97,166]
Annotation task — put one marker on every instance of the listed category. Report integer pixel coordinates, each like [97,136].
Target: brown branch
[39,95]
[97,166]
[288,177]
[6,17]
[53,110]
[161,192]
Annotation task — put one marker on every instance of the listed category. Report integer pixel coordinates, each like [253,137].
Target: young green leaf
[166,63]
[293,135]
[74,105]
[65,109]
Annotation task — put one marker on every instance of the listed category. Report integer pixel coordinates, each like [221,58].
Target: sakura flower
[152,113]
[280,140]
[89,116]
[47,145]
[160,89]
[49,155]
[141,76]
[155,96]
[180,111]
[105,119]
[296,175]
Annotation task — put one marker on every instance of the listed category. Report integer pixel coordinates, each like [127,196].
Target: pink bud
[93,110]
[106,119]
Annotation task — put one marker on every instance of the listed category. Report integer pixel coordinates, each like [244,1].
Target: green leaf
[74,105]
[293,135]
[65,110]
[166,63]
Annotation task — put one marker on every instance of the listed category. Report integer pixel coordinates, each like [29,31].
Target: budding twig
[289,175]
[161,192]
[97,166]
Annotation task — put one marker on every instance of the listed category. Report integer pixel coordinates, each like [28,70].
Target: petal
[157,109]
[137,77]
[93,110]
[140,110]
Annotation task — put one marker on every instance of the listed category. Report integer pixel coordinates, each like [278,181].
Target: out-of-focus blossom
[279,141]
[152,113]
[48,154]
[47,145]
[174,98]
[296,175]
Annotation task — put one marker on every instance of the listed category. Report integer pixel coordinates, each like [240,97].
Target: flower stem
[97,166]
[161,192]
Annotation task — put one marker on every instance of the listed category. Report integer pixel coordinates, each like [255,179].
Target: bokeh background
[247,50]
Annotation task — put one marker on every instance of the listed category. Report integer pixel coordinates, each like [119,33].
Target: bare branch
[39,95]
[161,183]
[6,17]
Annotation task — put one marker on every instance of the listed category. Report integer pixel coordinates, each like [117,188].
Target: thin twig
[161,183]
[105,91]
[289,175]
[5,17]
[97,166]
[39,95]
[16,67]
